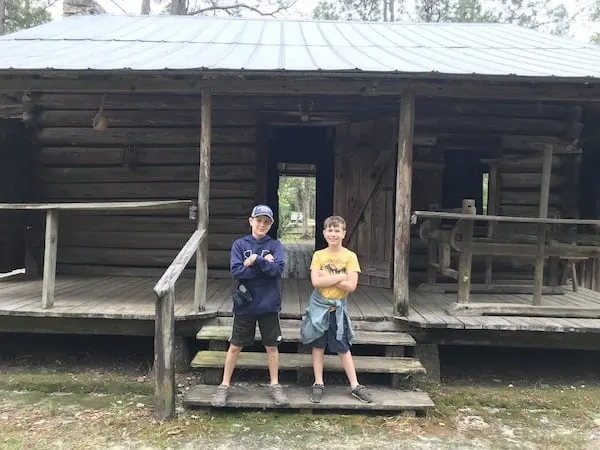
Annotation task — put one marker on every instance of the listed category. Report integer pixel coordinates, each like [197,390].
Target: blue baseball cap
[262,210]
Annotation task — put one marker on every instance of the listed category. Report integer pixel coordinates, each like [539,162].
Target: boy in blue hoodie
[257,262]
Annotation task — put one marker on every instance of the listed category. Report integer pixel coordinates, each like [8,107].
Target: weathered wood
[528,180]
[534,143]
[291,361]
[164,363]
[541,244]
[96,206]
[113,156]
[403,202]
[527,198]
[450,288]
[309,85]
[335,398]
[141,136]
[223,333]
[182,259]
[50,252]
[481,247]
[518,219]
[517,309]
[143,118]
[203,201]
[164,190]
[492,206]
[163,173]
[466,255]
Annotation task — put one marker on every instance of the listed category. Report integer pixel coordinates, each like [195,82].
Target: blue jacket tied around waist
[316,318]
[261,278]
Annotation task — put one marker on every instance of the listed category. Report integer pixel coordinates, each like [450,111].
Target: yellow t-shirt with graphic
[344,261]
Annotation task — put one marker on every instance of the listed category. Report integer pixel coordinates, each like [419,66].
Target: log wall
[150,150]
[510,134]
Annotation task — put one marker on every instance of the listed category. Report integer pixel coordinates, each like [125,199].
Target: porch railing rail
[164,327]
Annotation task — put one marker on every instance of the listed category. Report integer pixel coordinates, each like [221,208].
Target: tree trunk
[2,15]
[178,7]
[145,7]
[392,8]
[305,206]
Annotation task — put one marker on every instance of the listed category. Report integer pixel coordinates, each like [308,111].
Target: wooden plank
[107,156]
[223,333]
[203,202]
[403,199]
[50,251]
[449,288]
[291,361]
[61,137]
[171,275]
[517,219]
[512,309]
[95,206]
[335,398]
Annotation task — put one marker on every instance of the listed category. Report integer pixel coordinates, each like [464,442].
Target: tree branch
[228,8]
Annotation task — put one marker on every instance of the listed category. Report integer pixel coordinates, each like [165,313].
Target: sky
[302,9]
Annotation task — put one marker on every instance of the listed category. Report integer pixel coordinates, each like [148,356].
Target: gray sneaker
[220,397]
[278,395]
[362,393]
[316,393]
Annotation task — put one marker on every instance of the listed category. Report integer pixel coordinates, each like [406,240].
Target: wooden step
[223,332]
[292,361]
[335,398]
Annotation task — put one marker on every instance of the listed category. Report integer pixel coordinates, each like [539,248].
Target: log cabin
[461,155]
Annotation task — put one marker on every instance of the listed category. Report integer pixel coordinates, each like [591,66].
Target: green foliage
[22,14]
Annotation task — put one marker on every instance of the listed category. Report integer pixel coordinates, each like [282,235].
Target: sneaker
[362,393]
[278,395]
[316,393]
[220,397]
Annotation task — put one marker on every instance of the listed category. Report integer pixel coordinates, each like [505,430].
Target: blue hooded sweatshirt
[261,278]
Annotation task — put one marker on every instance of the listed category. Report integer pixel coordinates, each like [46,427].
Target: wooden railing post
[466,255]
[203,201]
[164,363]
[403,198]
[50,249]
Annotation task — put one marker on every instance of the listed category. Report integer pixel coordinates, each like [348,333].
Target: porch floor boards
[132,298]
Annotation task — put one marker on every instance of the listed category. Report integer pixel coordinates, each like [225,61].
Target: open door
[365,169]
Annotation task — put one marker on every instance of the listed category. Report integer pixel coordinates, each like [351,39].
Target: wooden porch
[133,299]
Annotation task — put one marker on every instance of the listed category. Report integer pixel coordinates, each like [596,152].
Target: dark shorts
[244,327]
[329,341]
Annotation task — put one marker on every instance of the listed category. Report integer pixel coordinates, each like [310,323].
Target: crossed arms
[345,281]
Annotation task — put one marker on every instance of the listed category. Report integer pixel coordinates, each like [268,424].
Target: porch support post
[50,250]
[542,227]
[203,202]
[403,200]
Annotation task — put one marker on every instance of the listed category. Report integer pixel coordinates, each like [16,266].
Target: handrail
[164,328]
[182,259]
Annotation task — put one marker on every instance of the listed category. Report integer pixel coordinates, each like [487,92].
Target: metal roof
[151,43]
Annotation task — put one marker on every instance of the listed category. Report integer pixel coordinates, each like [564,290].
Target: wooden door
[365,163]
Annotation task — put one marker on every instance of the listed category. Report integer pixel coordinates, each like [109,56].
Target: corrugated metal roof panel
[178,42]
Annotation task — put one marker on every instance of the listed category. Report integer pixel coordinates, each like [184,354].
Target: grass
[93,409]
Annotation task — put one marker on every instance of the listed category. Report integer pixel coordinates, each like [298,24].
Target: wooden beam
[164,362]
[541,243]
[286,84]
[518,309]
[403,199]
[466,255]
[203,201]
[50,249]
[97,206]
[516,219]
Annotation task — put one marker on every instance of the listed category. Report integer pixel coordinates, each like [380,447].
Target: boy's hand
[250,260]
[269,258]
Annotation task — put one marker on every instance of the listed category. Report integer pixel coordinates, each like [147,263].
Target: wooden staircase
[394,363]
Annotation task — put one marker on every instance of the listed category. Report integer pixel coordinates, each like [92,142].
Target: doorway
[301,159]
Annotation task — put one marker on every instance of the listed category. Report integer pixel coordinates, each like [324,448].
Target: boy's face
[334,235]
[260,226]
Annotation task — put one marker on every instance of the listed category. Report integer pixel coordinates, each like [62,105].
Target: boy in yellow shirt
[326,323]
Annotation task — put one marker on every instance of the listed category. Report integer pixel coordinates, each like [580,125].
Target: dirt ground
[97,395]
